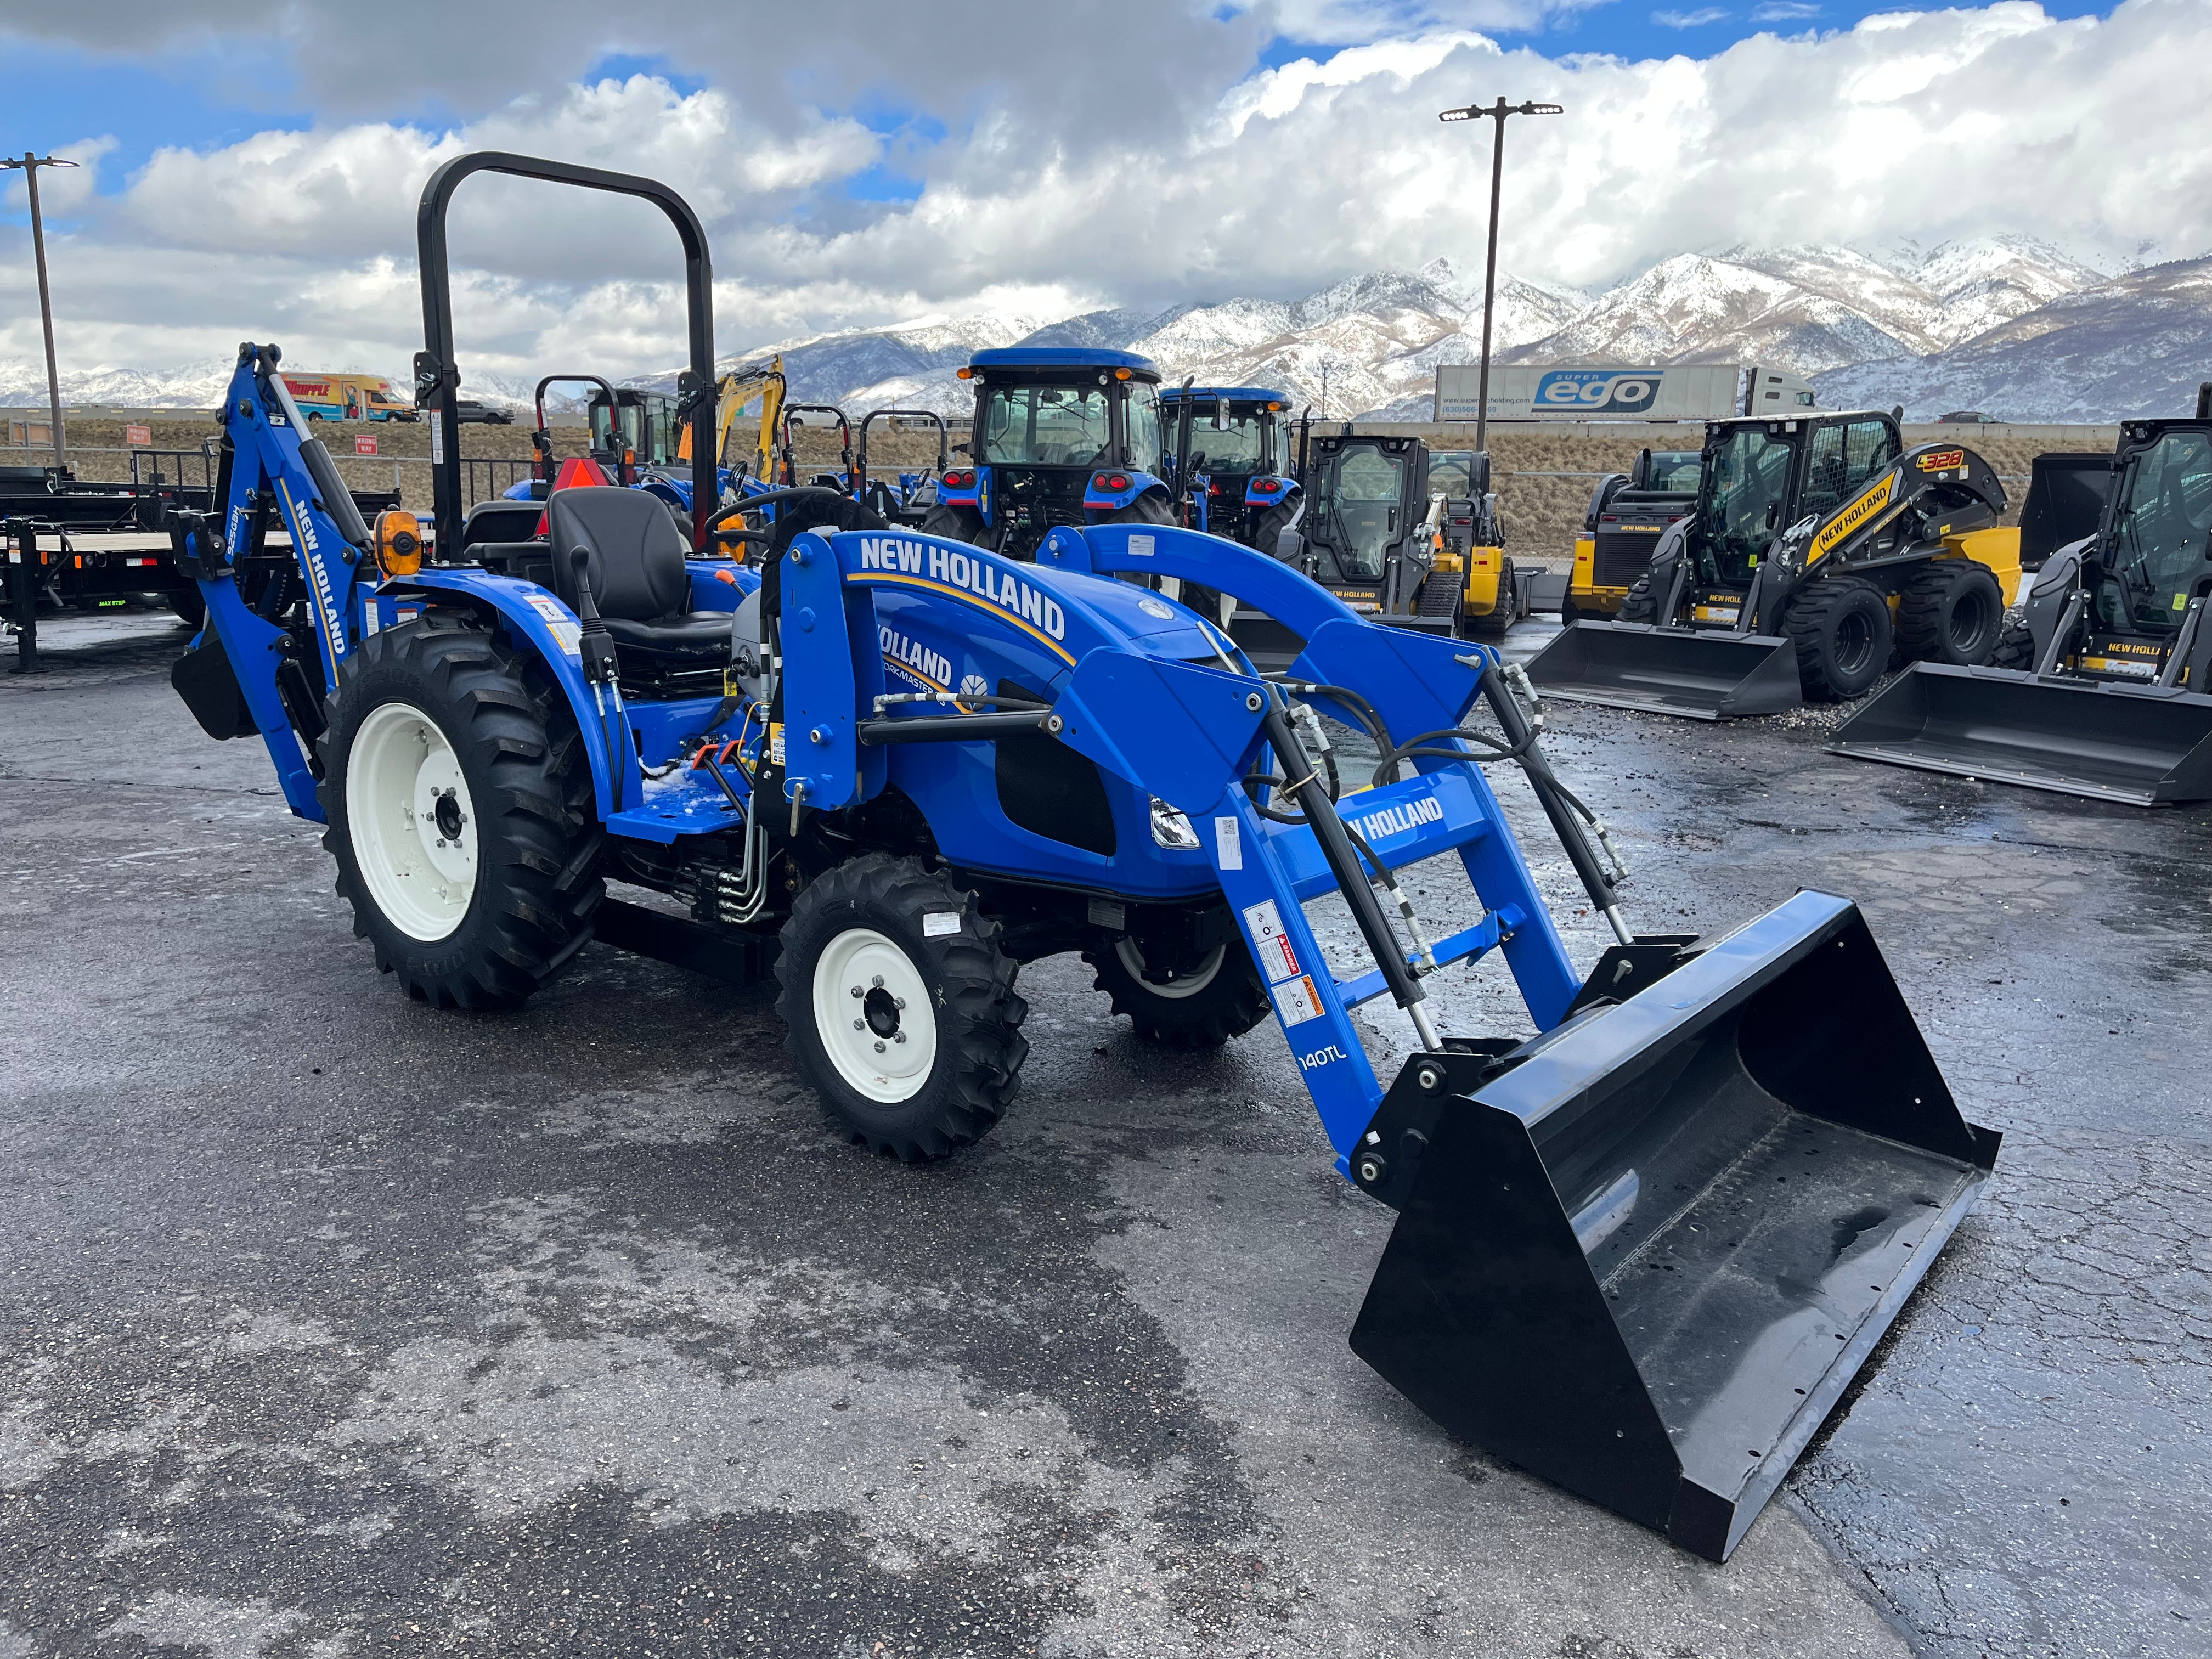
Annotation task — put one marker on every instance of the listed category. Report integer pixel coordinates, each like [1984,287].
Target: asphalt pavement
[333,1326]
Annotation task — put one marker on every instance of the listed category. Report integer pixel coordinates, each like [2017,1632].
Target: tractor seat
[637,573]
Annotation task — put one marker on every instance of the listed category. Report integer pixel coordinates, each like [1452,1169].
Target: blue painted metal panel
[1063,358]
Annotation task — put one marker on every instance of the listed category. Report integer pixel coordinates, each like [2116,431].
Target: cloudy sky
[251,166]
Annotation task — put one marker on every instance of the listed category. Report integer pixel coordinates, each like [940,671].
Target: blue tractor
[1063,437]
[1640,1250]
[1238,438]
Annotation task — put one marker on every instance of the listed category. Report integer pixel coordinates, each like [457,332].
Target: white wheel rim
[1189,985]
[411,822]
[872,1011]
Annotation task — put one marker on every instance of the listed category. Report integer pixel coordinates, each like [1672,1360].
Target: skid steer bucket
[1645,1260]
[2140,745]
[1670,671]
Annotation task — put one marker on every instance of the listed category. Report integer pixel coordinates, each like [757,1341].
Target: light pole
[1497,113]
[29,166]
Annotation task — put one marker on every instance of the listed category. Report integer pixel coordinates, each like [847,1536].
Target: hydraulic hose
[1343,860]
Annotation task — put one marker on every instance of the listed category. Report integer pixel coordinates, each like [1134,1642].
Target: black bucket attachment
[2141,745]
[1670,671]
[1272,647]
[1645,1262]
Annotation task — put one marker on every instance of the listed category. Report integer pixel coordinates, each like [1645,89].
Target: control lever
[598,646]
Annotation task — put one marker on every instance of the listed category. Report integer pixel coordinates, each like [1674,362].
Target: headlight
[1172,829]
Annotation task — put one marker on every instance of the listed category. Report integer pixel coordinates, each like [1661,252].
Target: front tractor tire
[1951,612]
[459,812]
[900,1005]
[1840,627]
[1221,998]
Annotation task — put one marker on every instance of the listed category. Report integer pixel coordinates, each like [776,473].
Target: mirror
[1221,414]
[1773,513]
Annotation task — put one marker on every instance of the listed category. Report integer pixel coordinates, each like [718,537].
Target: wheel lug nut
[859,991]
[880,1047]
[878,981]
[897,1036]
[858,1024]
[898,1002]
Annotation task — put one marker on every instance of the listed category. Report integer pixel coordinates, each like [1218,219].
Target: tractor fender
[539,622]
[1098,500]
[1268,490]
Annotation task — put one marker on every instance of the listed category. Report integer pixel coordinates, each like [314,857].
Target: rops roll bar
[437,370]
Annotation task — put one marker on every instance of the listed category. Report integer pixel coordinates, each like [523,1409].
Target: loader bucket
[1670,671]
[2140,745]
[1646,1260]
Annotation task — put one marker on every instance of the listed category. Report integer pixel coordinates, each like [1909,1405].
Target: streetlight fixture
[29,166]
[1497,113]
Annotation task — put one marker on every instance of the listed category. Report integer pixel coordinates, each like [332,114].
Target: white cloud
[1689,19]
[1138,183]
[1784,11]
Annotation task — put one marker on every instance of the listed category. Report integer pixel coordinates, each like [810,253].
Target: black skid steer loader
[1408,538]
[1817,557]
[2104,688]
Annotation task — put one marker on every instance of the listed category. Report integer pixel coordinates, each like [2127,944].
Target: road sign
[143,436]
[364,445]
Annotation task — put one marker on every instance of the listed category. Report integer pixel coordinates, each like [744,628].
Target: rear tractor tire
[1221,999]
[900,1005]
[1268,528]
[461,814]
[1951,612]
[1841,626]
[955,524]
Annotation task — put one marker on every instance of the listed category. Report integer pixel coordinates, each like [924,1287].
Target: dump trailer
[1237,439]
[1816,556]
[1376,532]
[2103,687]
[1628,514]
[1641,1251]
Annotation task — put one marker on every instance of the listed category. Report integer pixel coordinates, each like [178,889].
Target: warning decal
[1270,947]
[1298,1001]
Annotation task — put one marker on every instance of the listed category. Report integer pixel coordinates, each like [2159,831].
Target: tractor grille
[1622,555]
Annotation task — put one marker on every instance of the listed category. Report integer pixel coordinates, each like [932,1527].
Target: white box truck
[1571,391]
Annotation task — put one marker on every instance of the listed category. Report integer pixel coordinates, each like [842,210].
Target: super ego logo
[1597,391]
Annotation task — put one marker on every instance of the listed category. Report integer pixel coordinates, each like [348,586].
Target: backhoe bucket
[1670,671]
[1645,1262]
[2141,745]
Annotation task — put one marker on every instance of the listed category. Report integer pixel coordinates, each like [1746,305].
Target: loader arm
[270,467]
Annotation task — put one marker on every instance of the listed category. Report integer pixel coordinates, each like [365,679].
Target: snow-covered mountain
[2139,343]
[2008,324]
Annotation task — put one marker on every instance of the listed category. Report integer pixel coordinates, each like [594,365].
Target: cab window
[1144,446]
[2163,536]
[1047,426]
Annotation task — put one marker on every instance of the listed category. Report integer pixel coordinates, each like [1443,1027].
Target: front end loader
[2104,687]
[1816,557]
[1641,1247]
